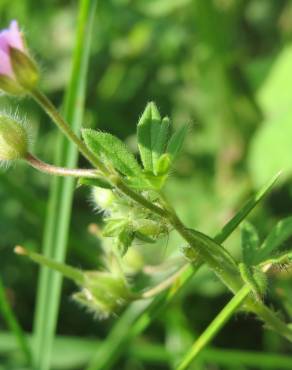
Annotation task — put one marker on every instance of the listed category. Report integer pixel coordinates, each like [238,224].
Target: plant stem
[57,118]
[13,325]
[66,270]
[215,326]
[119,184]
[164,284]
[59,171]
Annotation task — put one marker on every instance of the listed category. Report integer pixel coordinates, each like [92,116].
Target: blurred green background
[224,66]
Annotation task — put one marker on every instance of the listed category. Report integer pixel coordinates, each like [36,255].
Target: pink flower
[10,37]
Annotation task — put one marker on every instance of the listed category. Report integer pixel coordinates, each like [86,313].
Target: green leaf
[247,275]
[270,149]
[176,142]
[161,133]
[148,132]
[113,149]
[249,243]
[280,233]
[163,164]
[97,182]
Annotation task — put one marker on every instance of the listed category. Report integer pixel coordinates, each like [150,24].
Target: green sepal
[97,182]
[10,86]
[113,149]
[114,227]
[125,240]
[24,68]
[144,238]
[176,142]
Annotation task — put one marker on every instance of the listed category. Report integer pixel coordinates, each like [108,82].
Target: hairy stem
[57,118]
[66,270]
[152,292]
[59,171]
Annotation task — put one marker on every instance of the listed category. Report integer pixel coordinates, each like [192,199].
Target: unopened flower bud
[147,227]
[14,139]
[18,71]
[103,198]
[104,293]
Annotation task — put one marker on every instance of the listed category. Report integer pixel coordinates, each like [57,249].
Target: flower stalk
[56,117]
[59,171]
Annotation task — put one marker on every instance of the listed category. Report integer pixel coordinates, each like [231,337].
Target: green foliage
[249,243]
[236,90]
[157,150]
[149,136]
[97,182]
[176,142]
[274,241]
[113,150]
[253,279]
[161,134]
[271,148]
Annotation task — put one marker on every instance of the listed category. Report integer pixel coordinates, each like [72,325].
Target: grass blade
[217,324]
[13,325]
[59,211]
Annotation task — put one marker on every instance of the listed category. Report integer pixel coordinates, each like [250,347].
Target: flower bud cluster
[126,221]
[104,293]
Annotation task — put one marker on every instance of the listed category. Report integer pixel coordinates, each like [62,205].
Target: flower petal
[11,37]
[5,65]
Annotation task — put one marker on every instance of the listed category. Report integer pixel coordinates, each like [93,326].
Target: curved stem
[51,110]
[59,171]
[152,292]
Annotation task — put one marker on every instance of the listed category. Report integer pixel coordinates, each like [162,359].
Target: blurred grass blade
[217,324]
[69,352]
[245,210]
[13,324]
[117,340]
[59,210]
